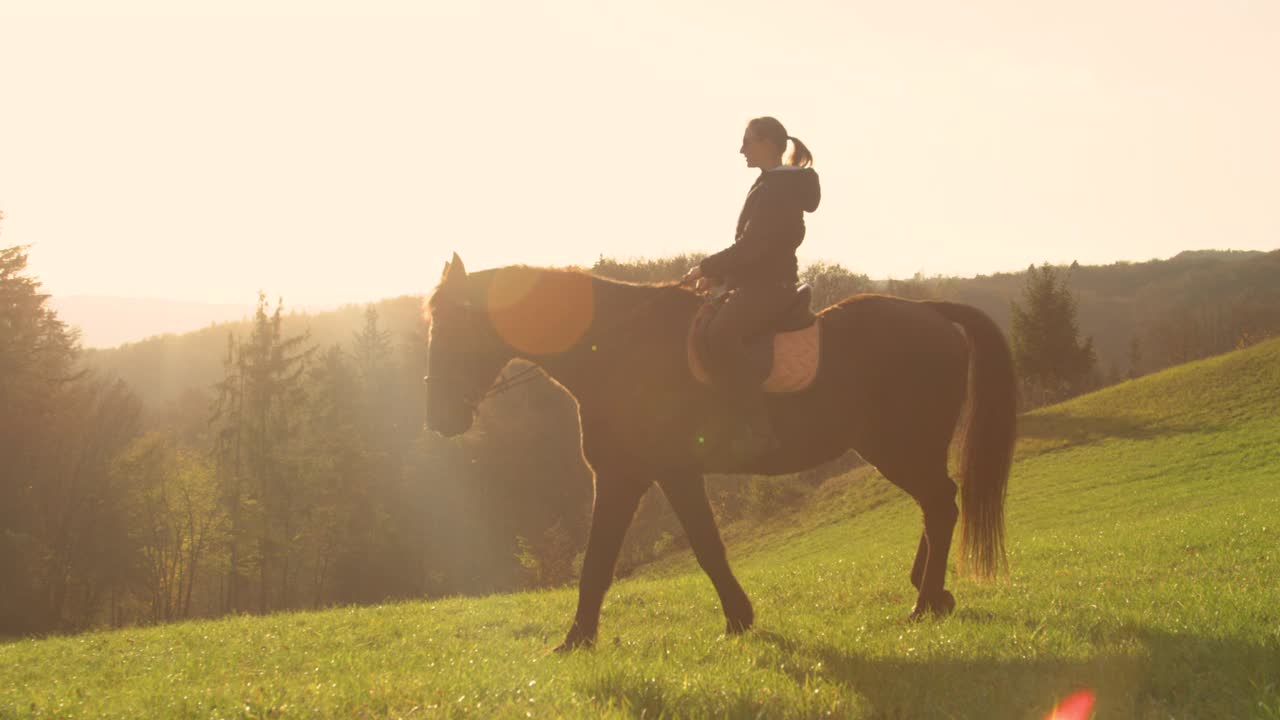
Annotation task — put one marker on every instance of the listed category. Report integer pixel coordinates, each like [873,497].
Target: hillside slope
[1143,526]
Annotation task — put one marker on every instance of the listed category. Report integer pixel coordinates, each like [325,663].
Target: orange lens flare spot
[540,313]
[1078,706]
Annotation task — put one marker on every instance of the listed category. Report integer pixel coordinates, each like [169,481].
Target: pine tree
[260,397]
[385,517]
[334,467]
[228,419]
[1135,358]
[1050,358]
[372,346]
[37,357]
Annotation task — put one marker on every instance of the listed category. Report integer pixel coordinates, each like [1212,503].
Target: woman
[760,267]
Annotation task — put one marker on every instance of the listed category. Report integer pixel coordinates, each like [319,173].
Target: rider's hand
[693,276]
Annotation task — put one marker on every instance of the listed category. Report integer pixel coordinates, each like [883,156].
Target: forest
[281,462]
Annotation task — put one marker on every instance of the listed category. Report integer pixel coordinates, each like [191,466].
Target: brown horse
[891,386]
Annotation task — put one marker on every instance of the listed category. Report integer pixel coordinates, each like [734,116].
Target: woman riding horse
[760,269]
[900,382]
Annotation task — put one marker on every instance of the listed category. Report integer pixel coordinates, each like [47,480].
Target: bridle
[473,399]
[526,375]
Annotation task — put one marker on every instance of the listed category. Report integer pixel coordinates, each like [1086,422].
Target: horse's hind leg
[688,497]
[938,503]
[928,483]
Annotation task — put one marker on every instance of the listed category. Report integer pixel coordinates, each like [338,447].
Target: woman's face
[759,152]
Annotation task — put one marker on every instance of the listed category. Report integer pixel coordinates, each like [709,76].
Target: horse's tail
[986,436]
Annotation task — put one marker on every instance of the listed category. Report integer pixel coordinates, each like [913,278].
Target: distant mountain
[106,322]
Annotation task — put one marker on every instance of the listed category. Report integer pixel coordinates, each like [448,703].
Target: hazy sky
[333,152]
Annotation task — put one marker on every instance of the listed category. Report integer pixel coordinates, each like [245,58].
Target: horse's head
[464,354]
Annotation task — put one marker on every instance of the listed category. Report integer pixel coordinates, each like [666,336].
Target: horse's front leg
[687,494]
[617,495]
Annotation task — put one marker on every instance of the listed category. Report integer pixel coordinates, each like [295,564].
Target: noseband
[473,398]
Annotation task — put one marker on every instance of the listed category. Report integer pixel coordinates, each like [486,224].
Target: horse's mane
[617,290]
[568,270]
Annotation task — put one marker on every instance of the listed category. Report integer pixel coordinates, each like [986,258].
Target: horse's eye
[456,307]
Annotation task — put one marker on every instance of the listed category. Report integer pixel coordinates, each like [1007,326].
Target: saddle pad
[795,360]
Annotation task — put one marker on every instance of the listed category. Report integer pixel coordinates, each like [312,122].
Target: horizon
[153,317]
[804,262]
[343,153]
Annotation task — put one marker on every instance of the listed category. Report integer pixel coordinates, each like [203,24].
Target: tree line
[300,478]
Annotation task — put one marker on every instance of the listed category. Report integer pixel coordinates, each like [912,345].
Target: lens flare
[540,312]
[1077,706]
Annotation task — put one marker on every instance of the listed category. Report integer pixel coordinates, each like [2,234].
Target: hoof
[940,605]
[573,642]
[739,616]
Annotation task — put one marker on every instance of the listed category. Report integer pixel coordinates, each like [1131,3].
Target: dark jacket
[770,228]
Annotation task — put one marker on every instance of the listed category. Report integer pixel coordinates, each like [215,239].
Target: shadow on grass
[1143,673]
[1063,430]
[1056,425]
[1156,674]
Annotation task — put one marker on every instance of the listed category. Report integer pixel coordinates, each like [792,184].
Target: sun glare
[540,313]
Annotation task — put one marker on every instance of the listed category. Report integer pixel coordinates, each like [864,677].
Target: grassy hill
[1142,521]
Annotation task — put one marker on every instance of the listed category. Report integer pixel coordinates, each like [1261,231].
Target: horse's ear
[454,271]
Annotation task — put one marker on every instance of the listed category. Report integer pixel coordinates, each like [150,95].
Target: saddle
[785,358]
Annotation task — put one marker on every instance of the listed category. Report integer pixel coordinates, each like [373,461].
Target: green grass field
[1143,527]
